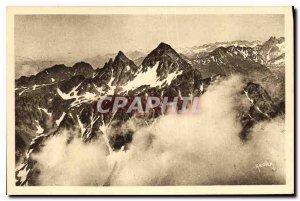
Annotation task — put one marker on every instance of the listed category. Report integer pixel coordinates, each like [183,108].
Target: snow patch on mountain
[60,119]
[79,99]
[22,174]
[39,128]
[150,78]
[46,111]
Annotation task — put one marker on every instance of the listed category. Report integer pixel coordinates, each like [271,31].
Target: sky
[82,36]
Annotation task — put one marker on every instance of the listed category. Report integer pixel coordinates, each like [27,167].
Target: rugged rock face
[83,68]
[116,72]
[169,62]
[123,69]
[65,98]
[272,51]
[262,108]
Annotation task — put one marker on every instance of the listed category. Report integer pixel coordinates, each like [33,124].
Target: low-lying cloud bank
[186,149]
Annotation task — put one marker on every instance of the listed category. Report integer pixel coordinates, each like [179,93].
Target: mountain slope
[56,73]
[230,60]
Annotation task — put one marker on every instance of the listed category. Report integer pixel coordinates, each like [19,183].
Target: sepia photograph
[144,101]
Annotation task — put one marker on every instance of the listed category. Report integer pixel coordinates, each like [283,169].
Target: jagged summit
[120,60]
[121,57]
[273,39]
[272,51]
[118,70]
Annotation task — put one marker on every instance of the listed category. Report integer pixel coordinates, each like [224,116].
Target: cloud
[186,149]
[64,162]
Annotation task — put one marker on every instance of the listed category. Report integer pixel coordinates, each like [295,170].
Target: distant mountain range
[197,51]
[61,97]
[26,66]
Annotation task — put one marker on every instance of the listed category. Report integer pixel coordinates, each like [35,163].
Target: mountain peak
[272,38]
[121,56]
[169,60]
[163,49]
[163,45]
[121,59]
[120,53]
